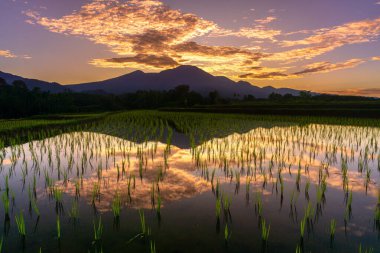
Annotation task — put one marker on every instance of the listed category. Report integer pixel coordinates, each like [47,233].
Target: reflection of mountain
[261,154]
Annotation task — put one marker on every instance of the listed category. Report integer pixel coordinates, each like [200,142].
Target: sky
[330,46]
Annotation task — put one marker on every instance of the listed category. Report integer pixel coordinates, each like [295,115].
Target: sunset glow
[324,47]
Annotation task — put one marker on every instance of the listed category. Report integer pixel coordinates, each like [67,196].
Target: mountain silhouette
[197,79]
[34,83]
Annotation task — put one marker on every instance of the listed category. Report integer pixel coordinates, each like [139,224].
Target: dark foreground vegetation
[18,101]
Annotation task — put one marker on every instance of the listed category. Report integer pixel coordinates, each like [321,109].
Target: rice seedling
[332,228]
[5,200]
[142,222]
[264,231]
[365,250]
[98,230]
[159,203]
[58,228]
[74,211]
[218,207]
[302,226]
[20,222]
[35,207]
[227,234]
[152,247]
[116,205]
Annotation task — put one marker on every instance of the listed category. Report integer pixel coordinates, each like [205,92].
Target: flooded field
[172,182]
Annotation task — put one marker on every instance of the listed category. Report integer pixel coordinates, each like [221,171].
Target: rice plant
[58,228]
[264,231]
[332,228]
[98,230]
[20,222]
[116,206]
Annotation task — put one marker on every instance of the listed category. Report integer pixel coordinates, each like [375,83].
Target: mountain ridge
[197,79]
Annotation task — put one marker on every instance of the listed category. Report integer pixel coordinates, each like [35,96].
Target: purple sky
[324,45]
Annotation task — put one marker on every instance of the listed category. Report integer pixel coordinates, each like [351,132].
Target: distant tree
[275,96]
[305,94]
[249,98]
[214,97]
[19,84]
[2,82]
[288,96]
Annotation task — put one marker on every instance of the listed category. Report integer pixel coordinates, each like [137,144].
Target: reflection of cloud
[376,58]
[179,180]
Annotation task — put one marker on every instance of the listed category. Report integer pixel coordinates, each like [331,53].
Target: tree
[214,97]
[2,82]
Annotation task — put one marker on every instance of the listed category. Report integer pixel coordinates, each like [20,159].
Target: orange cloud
[327,39]
[7,54]
[147,34]
[266,20]
[370,92]
[324,67]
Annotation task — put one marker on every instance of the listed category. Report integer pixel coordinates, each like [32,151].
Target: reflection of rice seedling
[298,249]
[264,231]
[20,222]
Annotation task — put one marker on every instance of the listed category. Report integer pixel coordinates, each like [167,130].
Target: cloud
[266,20]
[376,58]
[324,67]
[369,92]
[314,68]
[256,32]
[328,39]
[140,60]
[148,34]
[266,75]
[7,54]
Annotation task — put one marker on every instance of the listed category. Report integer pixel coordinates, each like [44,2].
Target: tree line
[16,100]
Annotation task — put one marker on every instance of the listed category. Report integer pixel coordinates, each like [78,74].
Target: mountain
[197,79]
[34,83]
